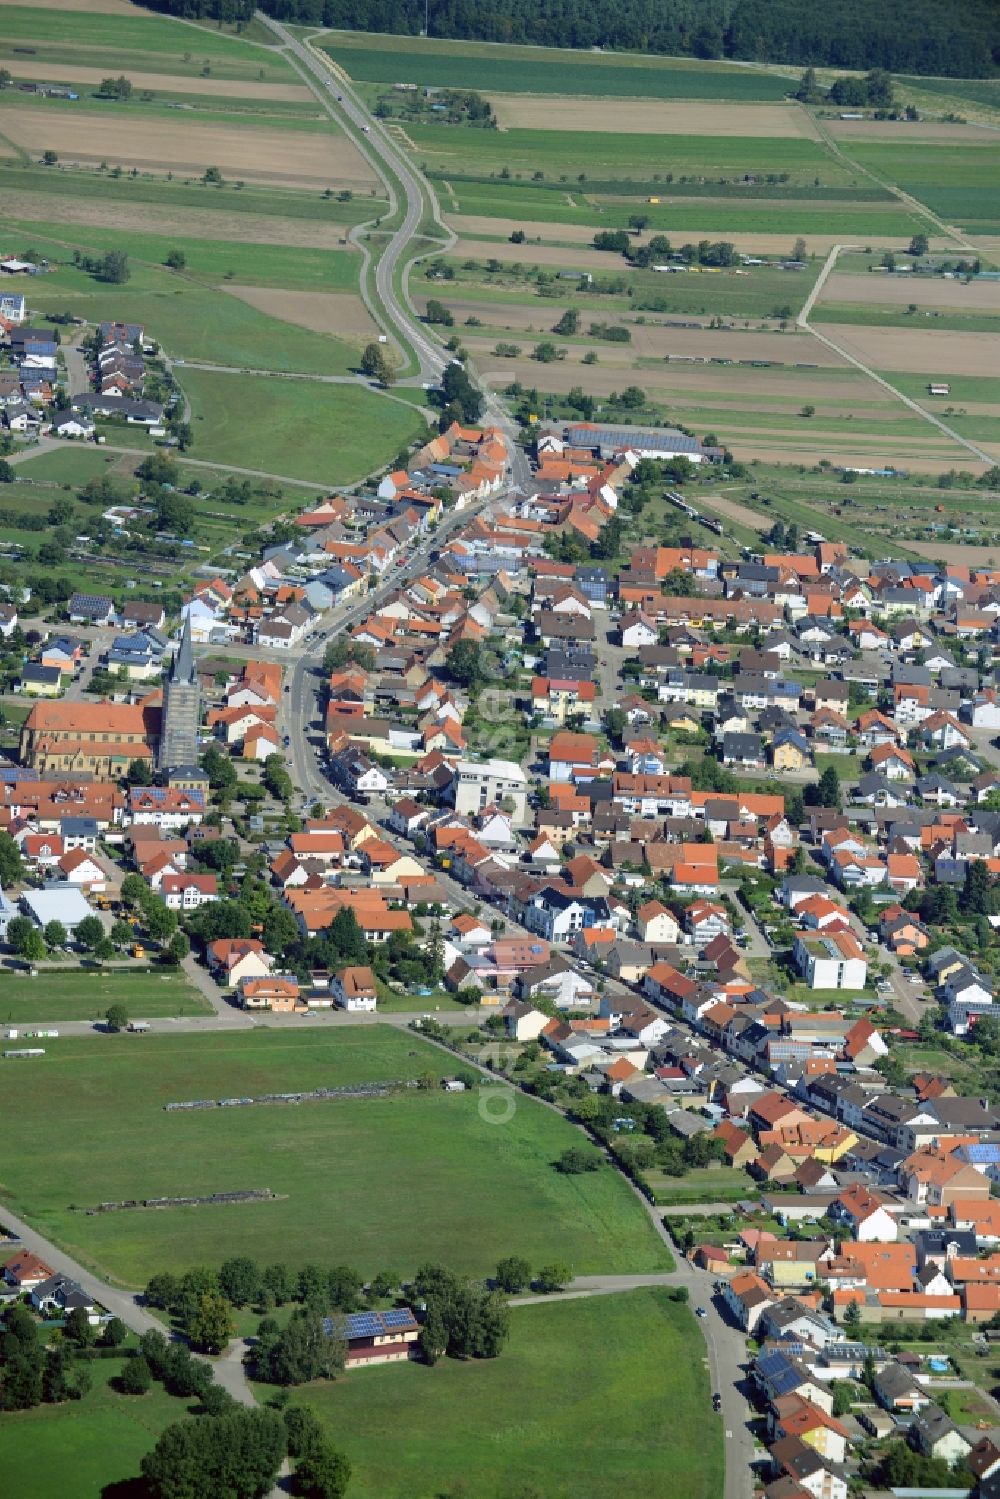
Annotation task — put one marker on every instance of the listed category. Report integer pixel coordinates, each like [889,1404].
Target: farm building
[645,442]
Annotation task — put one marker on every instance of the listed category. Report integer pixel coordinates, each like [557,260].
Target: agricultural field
[301,429]
[538,70]
[191,319]
[78,1448]
[316,159]
[113,41]
[371,1182]
[540,1415]
[957,181]
[85,994]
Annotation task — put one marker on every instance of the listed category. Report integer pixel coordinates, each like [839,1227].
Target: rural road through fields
[383,156]
[803,322]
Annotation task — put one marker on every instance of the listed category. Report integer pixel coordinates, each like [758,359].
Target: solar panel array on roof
[371,1324]
[779,1373]
[616,439]
[400,1316]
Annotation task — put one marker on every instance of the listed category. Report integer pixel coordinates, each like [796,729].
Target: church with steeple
[178,751]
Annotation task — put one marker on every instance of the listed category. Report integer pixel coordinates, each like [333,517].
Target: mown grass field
[77,1448]
[959,182]
[191,320]
[99,188]
[867,314]
[199,109]
[374,1182]
[71,465]
[85,994]
[589,1400]
[84,33]
[214,260]
[327,434]
[541,70]
[595,154]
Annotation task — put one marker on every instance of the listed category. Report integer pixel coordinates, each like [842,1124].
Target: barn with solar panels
[376,1337]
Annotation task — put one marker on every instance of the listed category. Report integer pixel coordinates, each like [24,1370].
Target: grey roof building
[181,708]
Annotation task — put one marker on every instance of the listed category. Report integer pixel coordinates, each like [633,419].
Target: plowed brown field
[649,117]
[303,159]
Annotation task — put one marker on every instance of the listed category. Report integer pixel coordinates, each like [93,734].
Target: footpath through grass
[590,1399]
[374,1182]
[85,994]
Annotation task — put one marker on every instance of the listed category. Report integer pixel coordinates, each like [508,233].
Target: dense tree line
[904,36]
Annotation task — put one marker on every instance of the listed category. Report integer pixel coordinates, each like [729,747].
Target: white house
[639,632]
[354,989]
[833,960]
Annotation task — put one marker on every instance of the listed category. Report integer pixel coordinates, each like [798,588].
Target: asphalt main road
[377,147]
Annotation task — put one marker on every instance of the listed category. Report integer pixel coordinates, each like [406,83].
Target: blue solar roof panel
[398,1317]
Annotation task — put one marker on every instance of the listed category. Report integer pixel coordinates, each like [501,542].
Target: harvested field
[195,223]
[161,83]
[900,291]
[582,259]
[918,350]
[650,117]
[339,313]
[953,551]
[766,452]
[908,131]
[741,514]
[553,235]
[310,161]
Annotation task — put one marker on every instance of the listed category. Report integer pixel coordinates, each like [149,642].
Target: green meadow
[193,321]
[77,1448]
[539,70]
[302,429]
[378,1182]
[590,1399]
[214,260]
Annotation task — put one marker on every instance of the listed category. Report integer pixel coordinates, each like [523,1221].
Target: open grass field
[72,465]
[599,155]
[542,70]
[86,994]
[268,215]
[328,434]
[173,84]
[867,315]
[236,259]
[77,1448]
[192,320]
[312,160]
[756,227]
[589,1399]
[88,29]
[371,1182]
[959,181]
